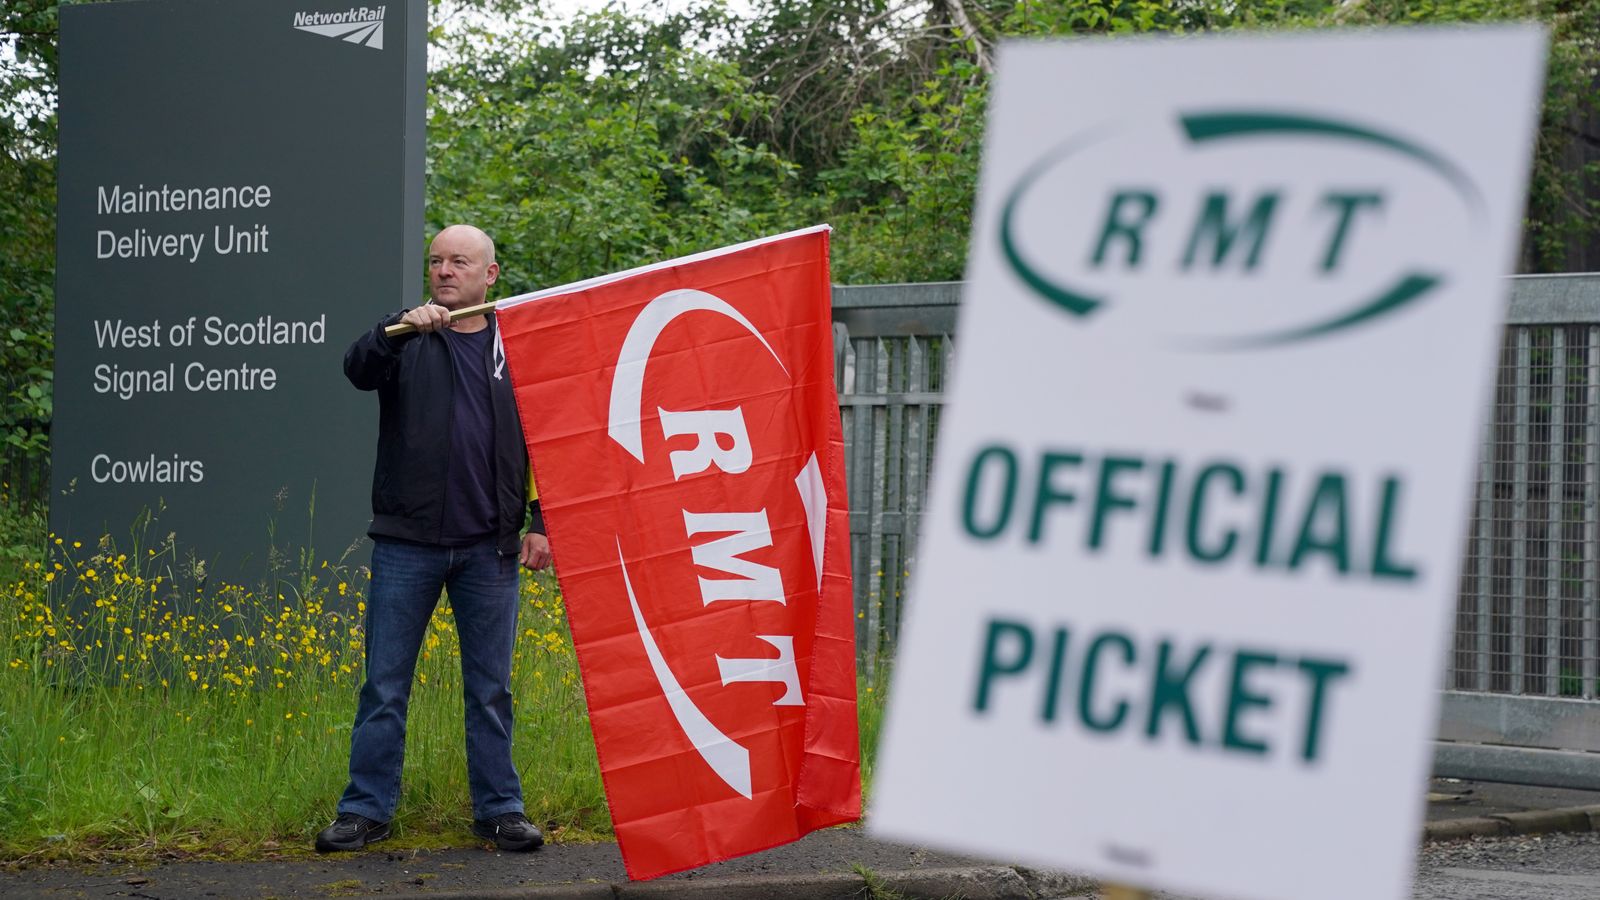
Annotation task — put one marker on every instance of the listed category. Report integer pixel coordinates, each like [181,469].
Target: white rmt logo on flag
[358,25]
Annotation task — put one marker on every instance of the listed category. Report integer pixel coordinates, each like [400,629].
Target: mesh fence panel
[1527,621]
[890,395]
[1526,617]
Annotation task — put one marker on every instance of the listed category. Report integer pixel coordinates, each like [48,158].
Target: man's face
[459,273]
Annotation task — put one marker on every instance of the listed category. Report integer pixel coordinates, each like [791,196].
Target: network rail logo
[358,25]
[1239,229]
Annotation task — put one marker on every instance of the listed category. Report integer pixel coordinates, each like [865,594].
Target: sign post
[240,194]
[1195,530]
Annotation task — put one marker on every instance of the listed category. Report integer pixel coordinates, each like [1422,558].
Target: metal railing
[1526,620]
[892,349]
[1524,671]
[1525,661]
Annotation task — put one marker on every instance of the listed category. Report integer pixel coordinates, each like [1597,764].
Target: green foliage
[1051,17]
[26,414]
[27,219]
[619,140]
[901,192]
[1564,191]
[615,139]
[612,149]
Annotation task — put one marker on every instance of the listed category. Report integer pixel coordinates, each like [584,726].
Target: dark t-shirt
[469,507]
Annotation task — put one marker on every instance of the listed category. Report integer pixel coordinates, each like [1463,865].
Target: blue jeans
[406,580]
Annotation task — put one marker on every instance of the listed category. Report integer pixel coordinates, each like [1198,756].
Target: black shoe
[350,832]
[509,831]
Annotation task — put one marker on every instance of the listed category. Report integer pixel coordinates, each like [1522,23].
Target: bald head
[469,233]
[461,266]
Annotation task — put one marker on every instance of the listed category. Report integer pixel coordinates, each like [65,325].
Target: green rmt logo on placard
[1229,228]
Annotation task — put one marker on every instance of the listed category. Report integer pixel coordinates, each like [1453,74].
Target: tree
[616,139]
[616,144]
[1563,216]
[27,219]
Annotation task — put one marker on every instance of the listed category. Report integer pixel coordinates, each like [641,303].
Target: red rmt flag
[684,429]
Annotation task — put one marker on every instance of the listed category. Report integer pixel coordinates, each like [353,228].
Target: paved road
[1547,867]
[467,868]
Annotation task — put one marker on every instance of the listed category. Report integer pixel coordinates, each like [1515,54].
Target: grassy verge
[215,720]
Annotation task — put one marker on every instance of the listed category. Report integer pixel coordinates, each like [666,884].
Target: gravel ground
[1535,867]
[1528,867]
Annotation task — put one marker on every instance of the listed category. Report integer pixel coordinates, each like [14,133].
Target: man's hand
[535,551]
[426,318]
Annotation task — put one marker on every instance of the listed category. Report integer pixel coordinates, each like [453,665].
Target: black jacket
[414,380]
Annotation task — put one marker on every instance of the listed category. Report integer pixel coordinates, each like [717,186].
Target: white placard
[1179,610]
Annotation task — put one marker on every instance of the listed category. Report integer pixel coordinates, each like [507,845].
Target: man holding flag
[686,423]
[448,512]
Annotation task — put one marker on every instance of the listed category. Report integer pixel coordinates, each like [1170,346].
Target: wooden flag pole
[467,312]
[1122,892]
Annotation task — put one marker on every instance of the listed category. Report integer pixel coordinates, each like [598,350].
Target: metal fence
[1524,671]
[24,478]
[1526,620]
[892,350]
[1525,661]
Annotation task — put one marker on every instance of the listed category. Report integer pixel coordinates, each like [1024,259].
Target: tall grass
[143,708]
[134,713]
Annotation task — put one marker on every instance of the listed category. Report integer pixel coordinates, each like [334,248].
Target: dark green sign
[240,195]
